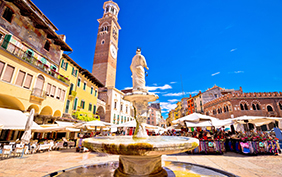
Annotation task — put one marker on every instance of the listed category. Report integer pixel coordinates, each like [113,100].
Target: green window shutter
[75,73]
[6,41]
[94,109]
[75,103]
[91,91]
[62,64]
[66,66]
[72,71]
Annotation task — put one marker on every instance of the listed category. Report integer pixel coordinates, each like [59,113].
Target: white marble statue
[138,73]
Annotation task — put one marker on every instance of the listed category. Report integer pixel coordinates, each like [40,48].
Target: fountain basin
[141,157]
[152,146]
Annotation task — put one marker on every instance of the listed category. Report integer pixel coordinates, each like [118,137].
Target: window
[67,106]
[58,93]
[82,103]
[91,92]
[254,107]
[246,107]
[74,72]
[215,95]
[1,67]
[258,107]
[53,91]
[84,86]
[71,87]
[64,65]
[8,14]
[152,122]
[90,107]
[96,92]
[47,45]
[78,82]
[63,95]
[20,78]
[126,109]
[94,109]
[115,105]
[269,108]
[48,89]
[121,107]
[280,106]
[75,104]
[242,107]
[8,73]
[28,80]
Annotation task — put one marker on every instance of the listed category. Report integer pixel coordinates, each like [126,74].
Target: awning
[65,124]
[14,120]
[200,124]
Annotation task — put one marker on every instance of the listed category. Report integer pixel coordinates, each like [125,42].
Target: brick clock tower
[105,57]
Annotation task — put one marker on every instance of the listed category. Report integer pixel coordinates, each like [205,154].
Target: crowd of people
[221,140]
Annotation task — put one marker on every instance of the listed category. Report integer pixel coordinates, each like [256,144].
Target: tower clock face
[113,51]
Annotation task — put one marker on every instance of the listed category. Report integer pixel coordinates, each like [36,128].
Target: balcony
[38,95]
[28,58]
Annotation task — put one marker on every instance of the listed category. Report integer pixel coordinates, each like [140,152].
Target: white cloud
[237,72]
[173,82]
[215,74]
[151,88]
[167,106]
[155,84]
[232,50]
[174,94]
[180,93]
[173,100]
[155,87]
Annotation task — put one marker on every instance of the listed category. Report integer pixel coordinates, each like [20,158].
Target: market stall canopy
[220,123]
[14,120]
[257,120]
[133,124]
[65,124]
[200,124]
[1,126]
[195,117]
[95,123]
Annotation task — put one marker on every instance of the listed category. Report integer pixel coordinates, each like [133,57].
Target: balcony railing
[25,56]
[39,93]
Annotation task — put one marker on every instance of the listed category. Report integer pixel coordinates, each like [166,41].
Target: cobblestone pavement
[40,164]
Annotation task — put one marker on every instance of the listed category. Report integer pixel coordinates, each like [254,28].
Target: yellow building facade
[177,111]
[82,95]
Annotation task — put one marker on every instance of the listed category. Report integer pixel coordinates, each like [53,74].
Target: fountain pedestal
[141,166]
[140,100]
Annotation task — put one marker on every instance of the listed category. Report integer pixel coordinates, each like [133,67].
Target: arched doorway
[10,102]
[57,113]
[38,89]
[101,113]
[46,111]
[33,106]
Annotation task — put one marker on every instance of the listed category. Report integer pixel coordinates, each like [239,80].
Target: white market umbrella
[1,126]
[220,123]
[200,124]
[257,120]
[194,117]
[25,139]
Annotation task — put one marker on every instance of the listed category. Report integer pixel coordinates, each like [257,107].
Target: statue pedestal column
[140,101]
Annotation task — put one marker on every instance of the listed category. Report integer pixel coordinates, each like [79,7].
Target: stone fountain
[140,155]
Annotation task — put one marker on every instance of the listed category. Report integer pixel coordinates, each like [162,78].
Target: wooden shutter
[28,81]
[63,95]
[8,73]
[53,90]
[58,93]
[1,67]
[39,82]
[48,89]
[20,78]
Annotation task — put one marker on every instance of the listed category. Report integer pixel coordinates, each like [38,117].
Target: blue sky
[227,43]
